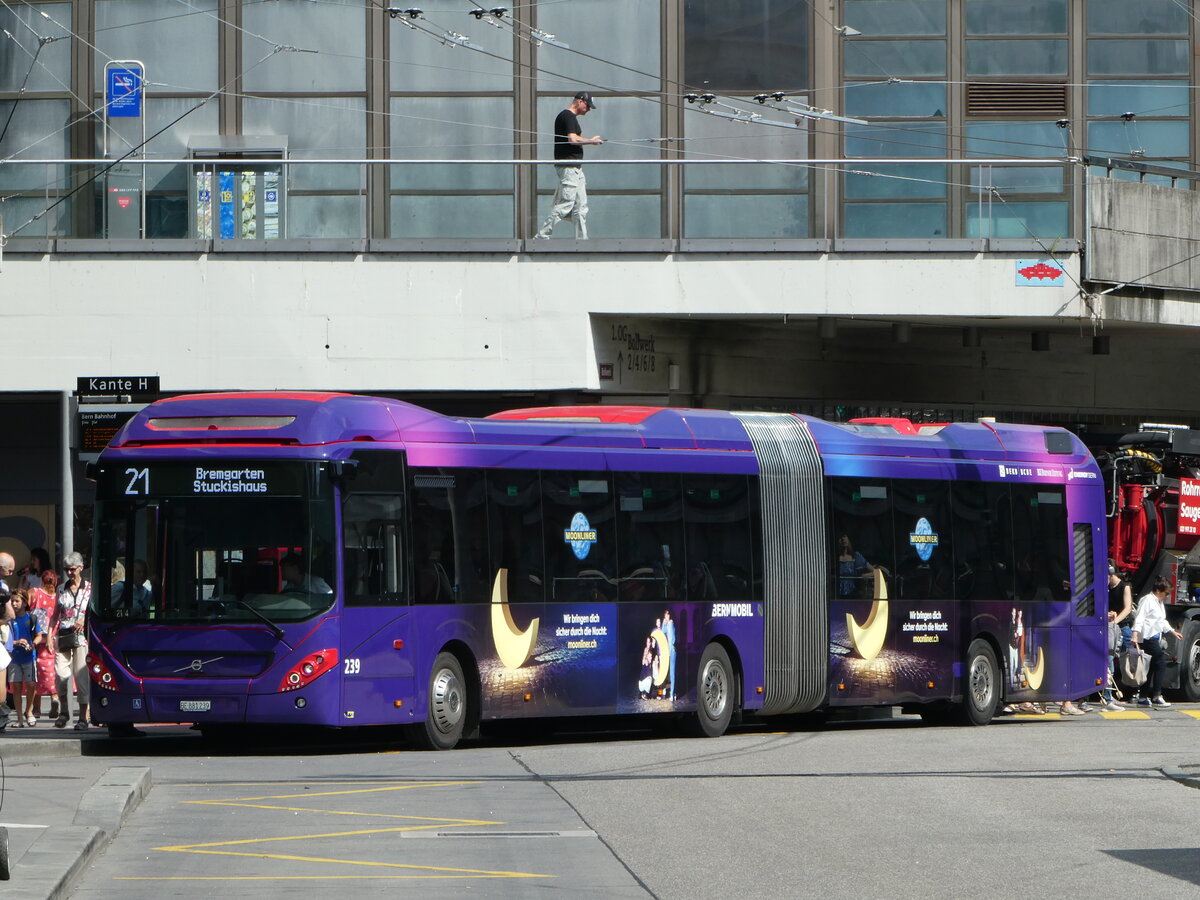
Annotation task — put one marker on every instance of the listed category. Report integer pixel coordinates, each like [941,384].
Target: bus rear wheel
[715,693]
[981,693]
[448,706]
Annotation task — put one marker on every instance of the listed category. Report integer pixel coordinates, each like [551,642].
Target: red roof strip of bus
[901,426]
[311,396]
[622,415]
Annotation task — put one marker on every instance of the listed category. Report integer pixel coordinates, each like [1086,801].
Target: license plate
[195,705]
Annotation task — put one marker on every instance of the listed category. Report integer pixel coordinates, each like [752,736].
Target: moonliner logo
[923,539]
[580,536]
[1072,474]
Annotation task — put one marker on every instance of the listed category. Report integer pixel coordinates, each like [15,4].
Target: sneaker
[1144,701]
[1113,706]
[61,722]
[1161,703]
[1085,706]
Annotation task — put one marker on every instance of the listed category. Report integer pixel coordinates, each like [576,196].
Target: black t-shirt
[1116,599]
[566,122]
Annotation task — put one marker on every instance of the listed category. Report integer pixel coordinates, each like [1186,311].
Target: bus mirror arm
[343,471]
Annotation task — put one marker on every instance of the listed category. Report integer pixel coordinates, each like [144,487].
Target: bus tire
[1189,661]
[715,693]
[4,871]
[981,693]
[448,706]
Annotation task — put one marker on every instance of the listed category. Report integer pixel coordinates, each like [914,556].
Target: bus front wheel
[448,699]
[715,692]
[981,693]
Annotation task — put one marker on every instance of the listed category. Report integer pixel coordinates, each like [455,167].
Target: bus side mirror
[91,471]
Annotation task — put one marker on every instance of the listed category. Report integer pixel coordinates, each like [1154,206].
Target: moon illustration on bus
[868,638]
[1033,677]
[513,646]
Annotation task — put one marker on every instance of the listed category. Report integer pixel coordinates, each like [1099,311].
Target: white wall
[441,321]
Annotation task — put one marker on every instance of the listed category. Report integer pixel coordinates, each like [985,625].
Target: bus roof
[264,419]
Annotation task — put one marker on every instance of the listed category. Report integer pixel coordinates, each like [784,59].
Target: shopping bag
[1135,667]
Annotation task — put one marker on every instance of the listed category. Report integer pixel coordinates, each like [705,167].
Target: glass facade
[728,87]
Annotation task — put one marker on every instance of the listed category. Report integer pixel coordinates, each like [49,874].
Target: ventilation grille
[1017,100]
[1085,570]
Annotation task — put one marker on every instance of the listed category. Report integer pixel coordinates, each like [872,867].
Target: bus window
[581,538]
[514,507]
[449,537]
[372,542]
[1040,542]
[924,540]
[716,512]
[210,561]
[650,535]
[863,536]
[983,542]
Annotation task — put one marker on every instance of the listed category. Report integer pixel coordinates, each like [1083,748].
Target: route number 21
[139,481]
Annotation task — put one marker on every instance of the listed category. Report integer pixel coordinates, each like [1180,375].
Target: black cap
[586,98]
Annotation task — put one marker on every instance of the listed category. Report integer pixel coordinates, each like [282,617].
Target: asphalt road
[889,809]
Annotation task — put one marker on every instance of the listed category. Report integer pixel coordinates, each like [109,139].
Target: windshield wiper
[258,614]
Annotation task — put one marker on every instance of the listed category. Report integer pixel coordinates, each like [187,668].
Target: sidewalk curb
[50,868]
[27,750]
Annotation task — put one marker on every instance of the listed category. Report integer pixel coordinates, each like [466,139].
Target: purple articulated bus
[336,560]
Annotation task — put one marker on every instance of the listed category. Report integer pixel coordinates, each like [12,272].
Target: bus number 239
[353,666]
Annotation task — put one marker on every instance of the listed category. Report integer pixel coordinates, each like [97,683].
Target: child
[27,634]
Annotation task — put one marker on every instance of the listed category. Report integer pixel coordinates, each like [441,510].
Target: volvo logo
[197,665]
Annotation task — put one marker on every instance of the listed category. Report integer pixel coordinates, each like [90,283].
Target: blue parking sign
[123,91]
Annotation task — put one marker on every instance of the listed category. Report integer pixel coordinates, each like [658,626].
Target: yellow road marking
[348,862]
[1037,716]
[1194,713]
[377,877]
[420,823]
[371,790]
[1124,714]
[454,823]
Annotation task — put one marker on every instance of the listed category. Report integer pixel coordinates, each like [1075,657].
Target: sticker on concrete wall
[1040,273]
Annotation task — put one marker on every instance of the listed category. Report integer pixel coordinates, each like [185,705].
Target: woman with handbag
[70,612]
[1148,628]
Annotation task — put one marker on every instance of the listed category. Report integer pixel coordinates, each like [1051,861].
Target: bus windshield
[184,559]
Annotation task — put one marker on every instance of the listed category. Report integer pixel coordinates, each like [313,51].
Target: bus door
[377,652]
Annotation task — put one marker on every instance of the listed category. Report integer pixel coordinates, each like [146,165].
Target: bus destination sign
[107,385]
[208,478]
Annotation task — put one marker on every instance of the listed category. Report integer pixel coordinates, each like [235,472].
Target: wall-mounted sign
[108,385]
[1040,273]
